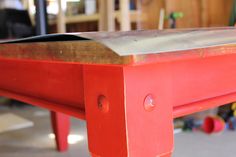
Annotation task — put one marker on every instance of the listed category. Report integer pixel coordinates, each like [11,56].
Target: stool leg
[61,127]
[167,155]
[125,113]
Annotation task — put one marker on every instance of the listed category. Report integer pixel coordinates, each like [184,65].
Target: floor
[37,141]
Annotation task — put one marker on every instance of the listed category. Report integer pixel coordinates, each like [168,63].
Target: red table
[128,86]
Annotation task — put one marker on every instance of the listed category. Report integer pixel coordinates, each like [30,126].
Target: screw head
[103,104]
[149,103]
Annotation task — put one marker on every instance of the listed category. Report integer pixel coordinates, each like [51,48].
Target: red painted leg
[129,110]
[61,128]
[167,155]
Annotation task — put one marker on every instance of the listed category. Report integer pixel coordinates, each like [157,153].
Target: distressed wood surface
[132,47]
[68,51]
[90,52]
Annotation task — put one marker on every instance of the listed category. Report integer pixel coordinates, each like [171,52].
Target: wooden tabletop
[134,47]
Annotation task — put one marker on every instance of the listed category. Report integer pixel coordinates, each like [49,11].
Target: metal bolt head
[103,104]
[149,103]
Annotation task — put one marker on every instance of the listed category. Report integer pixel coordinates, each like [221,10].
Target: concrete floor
[34,141]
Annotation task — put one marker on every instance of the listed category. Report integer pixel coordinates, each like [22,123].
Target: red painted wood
[47,104]
[106,130]
[166,155]
[61,128]
[200,79]
[180,87]
[57,82]
[152,130]
[127,129]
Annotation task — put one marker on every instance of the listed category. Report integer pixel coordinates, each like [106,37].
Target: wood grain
[71,51]
[150,13]
[90,52]
[190,9]
[197,13]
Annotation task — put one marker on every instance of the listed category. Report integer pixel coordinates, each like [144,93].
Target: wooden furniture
[128,86]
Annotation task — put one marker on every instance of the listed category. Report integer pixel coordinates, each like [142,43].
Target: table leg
[128,111]
[61,128]
[167,155]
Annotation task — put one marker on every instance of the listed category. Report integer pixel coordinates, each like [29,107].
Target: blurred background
[21,18]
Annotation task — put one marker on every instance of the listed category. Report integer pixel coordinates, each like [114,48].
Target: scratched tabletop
[118,47]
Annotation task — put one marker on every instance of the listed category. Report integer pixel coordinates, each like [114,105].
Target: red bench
[128,86]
